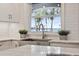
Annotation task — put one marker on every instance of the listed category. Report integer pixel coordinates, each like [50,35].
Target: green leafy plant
[38,19]
[23,31]
[52,12]
[63,32]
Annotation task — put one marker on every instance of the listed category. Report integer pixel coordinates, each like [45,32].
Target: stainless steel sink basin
[41,39]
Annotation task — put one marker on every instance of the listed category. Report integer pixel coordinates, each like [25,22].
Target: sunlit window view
[49,15]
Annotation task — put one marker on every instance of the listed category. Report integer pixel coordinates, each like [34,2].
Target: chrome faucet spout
[43,34]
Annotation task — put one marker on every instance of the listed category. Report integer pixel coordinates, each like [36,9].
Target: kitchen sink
[33,39]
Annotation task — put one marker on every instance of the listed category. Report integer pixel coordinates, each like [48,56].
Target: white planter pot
[63,37]
[22,35]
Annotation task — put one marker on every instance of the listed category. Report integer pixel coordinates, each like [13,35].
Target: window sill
[47,33]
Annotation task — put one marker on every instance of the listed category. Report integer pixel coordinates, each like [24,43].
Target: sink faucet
[43,34]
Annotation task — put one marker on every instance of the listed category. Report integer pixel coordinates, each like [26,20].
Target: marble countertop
[65,41]
[50,40]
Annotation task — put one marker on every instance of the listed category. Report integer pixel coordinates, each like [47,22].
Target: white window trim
[62,16]
[51,33]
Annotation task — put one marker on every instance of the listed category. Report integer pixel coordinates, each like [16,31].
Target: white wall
[9,29]
[72,20]
[21,14]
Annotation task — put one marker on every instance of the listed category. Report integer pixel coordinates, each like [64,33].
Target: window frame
[62,21]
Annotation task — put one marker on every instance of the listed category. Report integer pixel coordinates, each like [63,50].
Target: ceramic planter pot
[22,35]
[63,37]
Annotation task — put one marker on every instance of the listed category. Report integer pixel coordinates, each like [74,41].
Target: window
[47,14]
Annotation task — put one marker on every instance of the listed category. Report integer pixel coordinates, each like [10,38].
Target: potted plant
[23,33]
[63,34]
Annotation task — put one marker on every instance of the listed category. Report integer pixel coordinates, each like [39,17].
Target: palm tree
[51,18]
[38,20]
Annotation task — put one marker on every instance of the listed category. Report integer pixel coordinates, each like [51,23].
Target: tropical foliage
[44,13]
